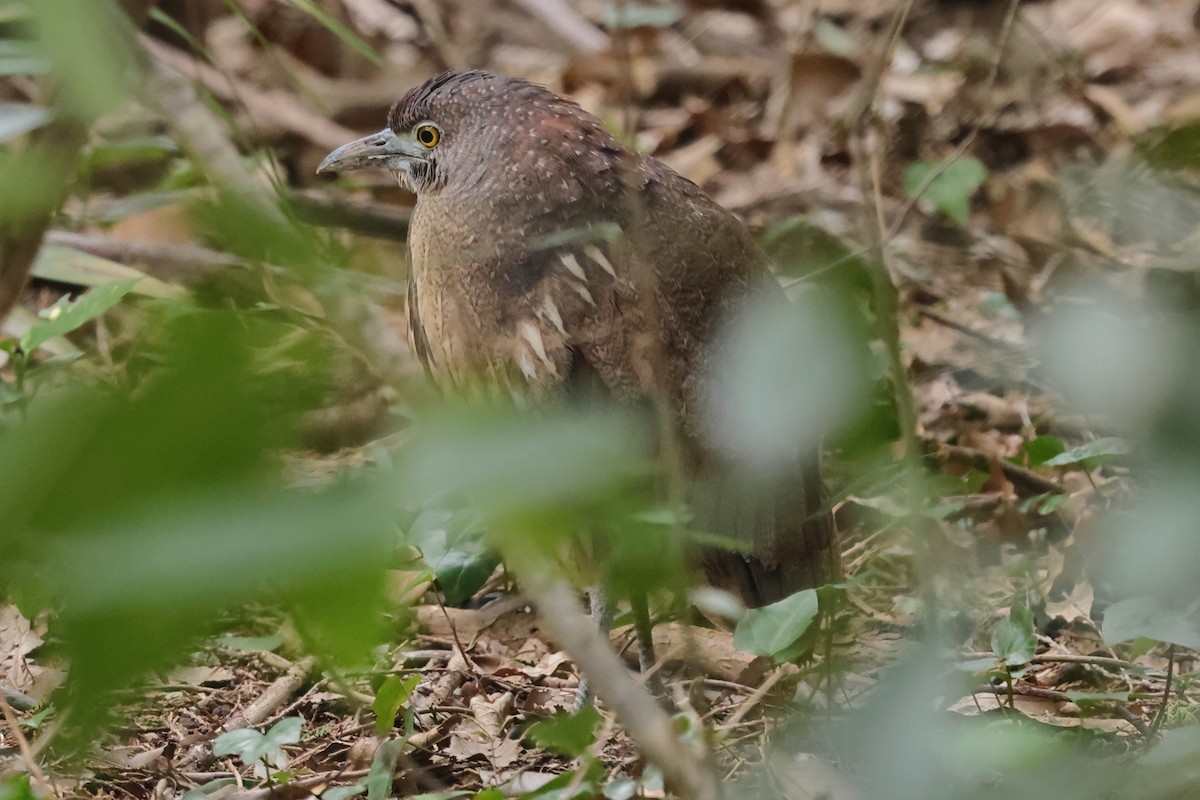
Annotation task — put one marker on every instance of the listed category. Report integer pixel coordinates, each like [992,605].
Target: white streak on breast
[572,264]
[525,362]
[583,292]
[531,334]
[593,252]
[552,314]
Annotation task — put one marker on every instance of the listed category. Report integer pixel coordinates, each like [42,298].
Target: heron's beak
[383,150]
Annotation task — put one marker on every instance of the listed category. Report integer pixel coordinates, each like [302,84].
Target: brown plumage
[531,225]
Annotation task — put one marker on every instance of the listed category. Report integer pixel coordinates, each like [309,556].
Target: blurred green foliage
[144,500]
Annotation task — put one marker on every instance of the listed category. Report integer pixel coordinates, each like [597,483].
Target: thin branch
[276,109]
[380,220]
[185,263]
[283,687]
[1161,714]
[584,37]
[1021,477]
[684,768]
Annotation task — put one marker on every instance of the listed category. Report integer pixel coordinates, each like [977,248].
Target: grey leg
[644,632]
[602,615]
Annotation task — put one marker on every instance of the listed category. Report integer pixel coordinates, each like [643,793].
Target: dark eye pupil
[427,135]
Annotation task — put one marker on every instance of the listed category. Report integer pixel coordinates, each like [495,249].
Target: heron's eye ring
[428,135]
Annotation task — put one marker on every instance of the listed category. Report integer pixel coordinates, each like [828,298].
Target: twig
[1026,691]
[261,708]
[858,121]
[887,306]
[185,263]
[966,330]
[14,727]
[754,699]
[462,651]
[370,219]
[1021,477]
[199,131]
[865,99]
[565,21]
[684,769]
[274,696]
[306,782]
[277,109]
[1105,662]
[1161,714]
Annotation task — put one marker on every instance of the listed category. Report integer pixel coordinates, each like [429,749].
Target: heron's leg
[603,617]
[644,632]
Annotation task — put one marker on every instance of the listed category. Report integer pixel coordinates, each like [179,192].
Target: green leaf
[253,747]
[1099,450]
[768,630]
[286,731]
[20,118]
[383,767]
[568,734]
[951,189]
[65,316]
[343,792]
[1149,617]
[241,743]
[1039,450]
[393,693]
[1175,149]
[1051,503]
[453,544]
[1013,639]
[204,790]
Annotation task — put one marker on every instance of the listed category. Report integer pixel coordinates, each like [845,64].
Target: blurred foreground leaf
[1151,618]
[19,118]
[147,512]
[786,375]
[91,52]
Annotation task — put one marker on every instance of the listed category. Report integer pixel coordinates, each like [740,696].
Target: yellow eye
[428,135]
